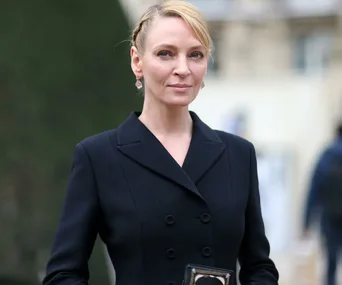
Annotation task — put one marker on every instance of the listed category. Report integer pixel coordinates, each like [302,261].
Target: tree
[63,76]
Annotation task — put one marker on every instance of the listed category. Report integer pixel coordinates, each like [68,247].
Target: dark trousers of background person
[333,247]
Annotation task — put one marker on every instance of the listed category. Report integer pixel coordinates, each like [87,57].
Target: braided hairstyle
[172,8]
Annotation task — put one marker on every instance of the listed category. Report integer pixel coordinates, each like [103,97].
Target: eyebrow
[174,47]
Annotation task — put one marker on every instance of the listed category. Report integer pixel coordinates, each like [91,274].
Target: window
[311,52]
[214,62]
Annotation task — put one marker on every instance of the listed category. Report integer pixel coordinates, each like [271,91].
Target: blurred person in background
[163,189]
[324,203]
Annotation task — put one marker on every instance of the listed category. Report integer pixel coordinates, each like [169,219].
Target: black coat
[155,216]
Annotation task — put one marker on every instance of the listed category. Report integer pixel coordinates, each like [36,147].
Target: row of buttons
[206,252]
[170,219]
[171,252]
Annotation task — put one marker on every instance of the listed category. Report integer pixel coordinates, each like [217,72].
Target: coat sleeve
[77,230]
[256,266]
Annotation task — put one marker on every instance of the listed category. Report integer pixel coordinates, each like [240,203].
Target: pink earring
[138,83]
[203,84]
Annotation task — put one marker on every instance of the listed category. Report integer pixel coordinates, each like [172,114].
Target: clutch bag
[206,275]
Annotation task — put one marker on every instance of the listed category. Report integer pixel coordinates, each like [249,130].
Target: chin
[180,101]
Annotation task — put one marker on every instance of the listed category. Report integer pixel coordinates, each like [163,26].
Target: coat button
[171,253]
[171,283]
[205,218]
[206,251]
[170,220]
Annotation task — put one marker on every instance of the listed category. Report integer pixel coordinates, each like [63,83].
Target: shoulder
[240,150]
[98,142]
[336,148]
[235,142]
[332,152]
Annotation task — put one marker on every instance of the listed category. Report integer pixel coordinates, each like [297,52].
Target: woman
[163,189]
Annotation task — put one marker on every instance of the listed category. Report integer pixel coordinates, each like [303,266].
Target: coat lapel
[140,145]
[205,149]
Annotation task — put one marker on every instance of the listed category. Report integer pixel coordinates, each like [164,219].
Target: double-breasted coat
[155,216]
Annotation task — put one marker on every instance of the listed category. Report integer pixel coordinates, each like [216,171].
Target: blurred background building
[275,77]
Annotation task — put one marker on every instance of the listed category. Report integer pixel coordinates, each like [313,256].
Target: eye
[197,55]
[164,53]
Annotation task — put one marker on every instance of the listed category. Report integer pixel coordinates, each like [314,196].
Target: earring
[138,83]
[203,84]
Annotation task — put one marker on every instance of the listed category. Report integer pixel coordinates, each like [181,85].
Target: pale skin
[173,66]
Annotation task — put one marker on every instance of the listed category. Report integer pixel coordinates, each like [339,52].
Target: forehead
[171,31]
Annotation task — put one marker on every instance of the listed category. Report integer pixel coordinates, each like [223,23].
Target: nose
[182,67]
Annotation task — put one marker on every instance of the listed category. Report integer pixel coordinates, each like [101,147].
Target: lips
[178,85]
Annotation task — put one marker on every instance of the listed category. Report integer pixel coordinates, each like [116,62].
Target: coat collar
[139,144]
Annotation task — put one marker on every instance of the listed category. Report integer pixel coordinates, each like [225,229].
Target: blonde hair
[174,8]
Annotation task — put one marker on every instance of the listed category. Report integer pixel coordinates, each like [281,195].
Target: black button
[205,218]
[170,220]
[171,283]
[206,251]
[171,253]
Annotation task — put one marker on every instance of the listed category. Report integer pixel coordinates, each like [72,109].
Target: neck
[165,120]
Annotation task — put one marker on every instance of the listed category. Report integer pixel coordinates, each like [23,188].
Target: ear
[136,62]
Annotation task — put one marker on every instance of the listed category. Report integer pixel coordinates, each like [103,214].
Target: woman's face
[173,63]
